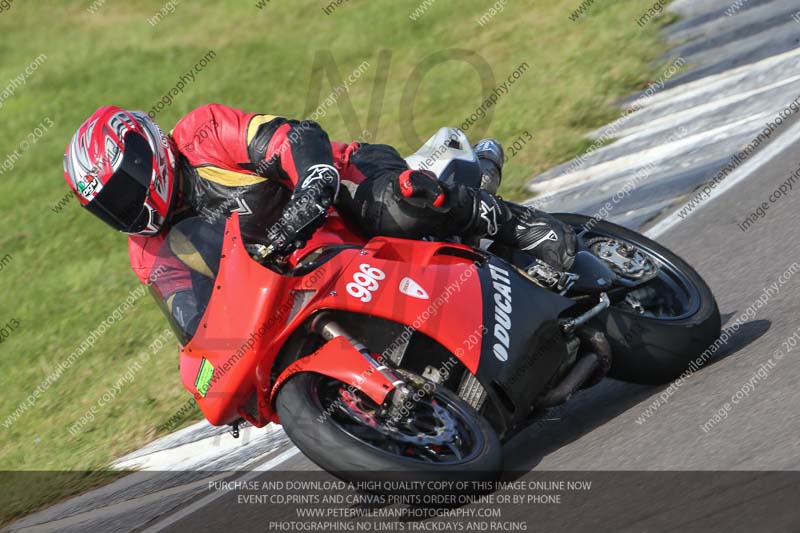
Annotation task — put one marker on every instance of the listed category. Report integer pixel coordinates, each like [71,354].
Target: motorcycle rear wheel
[653,349]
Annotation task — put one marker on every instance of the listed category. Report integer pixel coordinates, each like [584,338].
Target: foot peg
[549,277]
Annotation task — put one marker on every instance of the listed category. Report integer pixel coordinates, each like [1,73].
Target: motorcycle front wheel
[342,430]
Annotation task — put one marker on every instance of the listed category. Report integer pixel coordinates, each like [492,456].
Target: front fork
[329,329]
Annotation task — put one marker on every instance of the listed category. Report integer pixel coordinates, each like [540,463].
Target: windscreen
[184,271]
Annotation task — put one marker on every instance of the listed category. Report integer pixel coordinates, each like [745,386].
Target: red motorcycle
[398,355]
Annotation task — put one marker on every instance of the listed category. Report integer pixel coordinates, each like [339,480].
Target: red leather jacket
[230,161]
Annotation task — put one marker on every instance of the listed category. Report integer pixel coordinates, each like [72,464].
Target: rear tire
[328,444]
[650,350]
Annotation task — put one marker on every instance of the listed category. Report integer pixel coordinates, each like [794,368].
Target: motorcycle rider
[276,173]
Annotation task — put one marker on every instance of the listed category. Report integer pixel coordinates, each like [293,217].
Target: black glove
[304,213]
[420,188]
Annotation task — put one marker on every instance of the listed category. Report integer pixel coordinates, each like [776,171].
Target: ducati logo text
[502,312]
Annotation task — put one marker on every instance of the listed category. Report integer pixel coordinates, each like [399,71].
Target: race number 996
[365,282]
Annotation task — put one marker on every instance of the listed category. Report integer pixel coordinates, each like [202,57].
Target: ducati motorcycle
[394,355]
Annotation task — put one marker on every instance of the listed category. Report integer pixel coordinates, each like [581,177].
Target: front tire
[329,437]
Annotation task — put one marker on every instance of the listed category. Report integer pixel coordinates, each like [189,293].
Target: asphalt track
[629,440]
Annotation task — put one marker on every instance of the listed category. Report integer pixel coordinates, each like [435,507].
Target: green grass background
[69,271]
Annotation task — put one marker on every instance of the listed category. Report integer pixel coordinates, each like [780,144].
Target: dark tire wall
[336,451]
[647,350]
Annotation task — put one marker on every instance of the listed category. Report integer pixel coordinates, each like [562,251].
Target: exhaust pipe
[582,371]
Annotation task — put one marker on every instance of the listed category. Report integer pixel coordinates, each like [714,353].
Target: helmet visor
[121,201]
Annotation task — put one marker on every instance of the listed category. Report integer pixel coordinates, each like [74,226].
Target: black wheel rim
[681,297]
[437,430]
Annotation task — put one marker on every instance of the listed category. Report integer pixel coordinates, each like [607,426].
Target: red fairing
[256,296]
[340,360]
[434,292]
[336,230]
[431,287]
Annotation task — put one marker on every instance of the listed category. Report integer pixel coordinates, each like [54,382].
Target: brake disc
[442,432]
[624,259]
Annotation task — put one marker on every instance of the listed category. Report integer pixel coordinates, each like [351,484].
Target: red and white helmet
[121,166]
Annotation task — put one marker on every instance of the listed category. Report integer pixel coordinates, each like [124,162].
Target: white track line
[210,451]
[667,122]
[628,161]
[113,510]
[749,168]
[199,504]
[709,86]
[282,458]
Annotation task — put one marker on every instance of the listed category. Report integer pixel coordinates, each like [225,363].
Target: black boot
[524,228]
[491,158]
